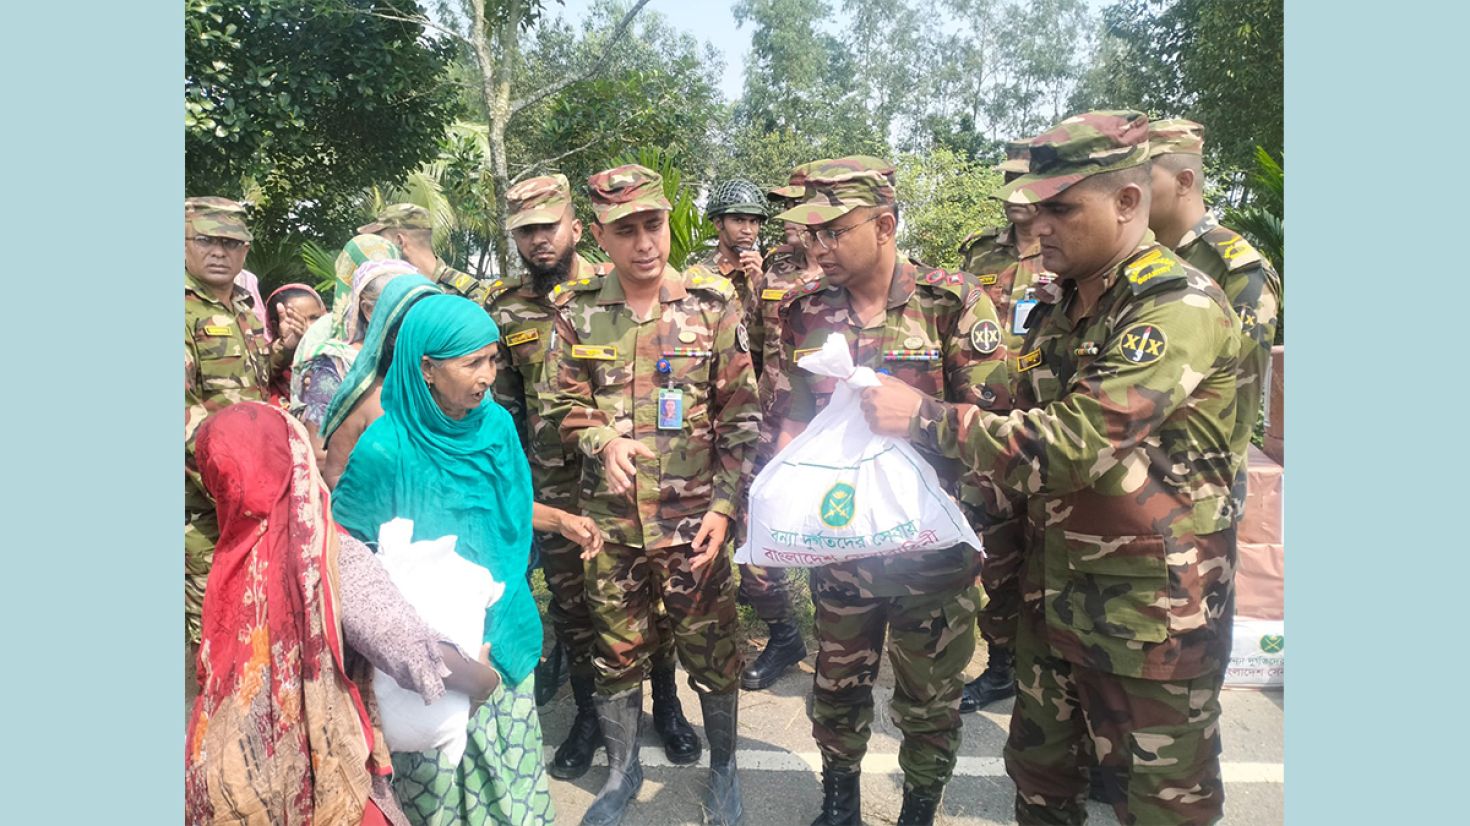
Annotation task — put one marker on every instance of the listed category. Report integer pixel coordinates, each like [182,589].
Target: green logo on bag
[1273,643]
[837,505]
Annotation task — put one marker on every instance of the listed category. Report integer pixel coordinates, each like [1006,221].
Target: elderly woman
[296,614]
[358,402]
[448,458]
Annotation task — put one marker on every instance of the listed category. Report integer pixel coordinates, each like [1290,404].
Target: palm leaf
[322,265]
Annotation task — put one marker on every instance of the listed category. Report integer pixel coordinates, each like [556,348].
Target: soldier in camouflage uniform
[1178,217]
[1121,444]
[938,331]
[546,232]
[655,377]
[226,360]
[409,228]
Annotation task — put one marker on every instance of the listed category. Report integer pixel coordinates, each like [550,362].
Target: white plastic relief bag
[839,492]
[450,594]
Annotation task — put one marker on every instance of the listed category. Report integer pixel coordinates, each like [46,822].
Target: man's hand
[711,538]
[617,459]
[891,407]
[291,327]
[581,530]
[752,263]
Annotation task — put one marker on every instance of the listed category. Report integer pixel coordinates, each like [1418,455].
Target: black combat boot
[681,744]
[996,683]
[1097,785]
[842,802]
[551,674]
[619,716]
[574,755]
[918,808]
[783,650]
[722,804]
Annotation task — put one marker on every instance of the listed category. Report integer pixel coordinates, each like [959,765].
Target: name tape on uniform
[597,352]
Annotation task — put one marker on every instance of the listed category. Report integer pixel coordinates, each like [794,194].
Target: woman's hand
[583,531]
[476,678]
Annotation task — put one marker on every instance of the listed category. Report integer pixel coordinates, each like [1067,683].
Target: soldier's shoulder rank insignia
[1143,343]
[1234,250]
[500,287]
[712,282]
[1153,269]
[985,336]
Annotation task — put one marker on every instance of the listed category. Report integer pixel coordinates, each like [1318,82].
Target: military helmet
[736,197]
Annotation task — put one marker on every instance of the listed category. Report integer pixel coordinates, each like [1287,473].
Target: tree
[942,198]
[1215,61]
[305,106]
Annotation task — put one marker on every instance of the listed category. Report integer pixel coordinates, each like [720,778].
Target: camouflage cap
[1077,148]
[624,190]
[837,186]
[398,216]
[542,200]
[216,217]
[1175,136]
[795,186]
[1018,158]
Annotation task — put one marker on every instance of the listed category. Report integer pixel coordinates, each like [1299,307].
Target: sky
[710,21]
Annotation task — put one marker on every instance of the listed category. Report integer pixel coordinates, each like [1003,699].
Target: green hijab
[466,477]
[393,303]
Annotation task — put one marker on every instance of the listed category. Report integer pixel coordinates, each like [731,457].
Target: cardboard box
[1257,654]
[1261,522]
[1260,582]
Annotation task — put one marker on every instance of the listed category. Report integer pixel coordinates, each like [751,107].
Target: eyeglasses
[828,237]
[226,244]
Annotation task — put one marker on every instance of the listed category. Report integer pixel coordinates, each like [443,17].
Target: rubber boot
[681,744]
[784,649]
[574,756]
[551,674]
[842,802]
[996,683]
[619,716]
[722,804]
[918,809]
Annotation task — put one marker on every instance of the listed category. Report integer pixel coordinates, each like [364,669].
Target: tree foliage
[306,104]
[942,198]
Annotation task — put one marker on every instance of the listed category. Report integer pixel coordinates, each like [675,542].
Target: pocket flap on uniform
[1131,556]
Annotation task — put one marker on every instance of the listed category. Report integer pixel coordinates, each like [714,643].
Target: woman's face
[458,385]
[309,307]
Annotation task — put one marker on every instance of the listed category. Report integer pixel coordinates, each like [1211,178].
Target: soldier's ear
[597,230]
[887,224]
[1184,181]
[1128,199]
[576,231]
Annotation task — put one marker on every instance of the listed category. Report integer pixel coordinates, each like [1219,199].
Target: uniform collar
[905,278]
[1205,224]
[672,288]
[1090,291]
[240,297]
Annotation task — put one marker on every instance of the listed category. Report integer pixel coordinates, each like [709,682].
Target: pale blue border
[1376,420]
[93,154]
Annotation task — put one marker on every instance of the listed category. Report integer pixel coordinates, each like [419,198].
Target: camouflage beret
[625,190]
[1077,148]
[1175,136]
[398,216]
[542,200]
[837,186]
[216,217]
[1018,158]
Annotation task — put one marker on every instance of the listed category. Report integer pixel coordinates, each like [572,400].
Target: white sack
[450,594]
[838,492]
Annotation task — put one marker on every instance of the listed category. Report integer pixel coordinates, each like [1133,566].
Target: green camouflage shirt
[524,382]
[1007,272]
[608,383]
[715,264]
[940,334]
[475,289]
[787,269]
[1121,442]
[226,360]
[1254,290]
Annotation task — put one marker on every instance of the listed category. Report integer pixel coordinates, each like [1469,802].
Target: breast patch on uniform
[772,295]
[989,278]
[215,330]
[523,336]
[1027,361]
[1143,343]
[597,352]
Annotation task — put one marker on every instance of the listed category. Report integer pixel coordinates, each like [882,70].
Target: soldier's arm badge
[985,336]
[1248,320]
[742,338]
[1143,343]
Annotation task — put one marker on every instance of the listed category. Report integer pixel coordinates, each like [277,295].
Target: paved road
[781,770]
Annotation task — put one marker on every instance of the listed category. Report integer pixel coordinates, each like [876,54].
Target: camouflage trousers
[623,586]
[768,591]
[931,638]
[1000,574]
[561,562]
[1157,741]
